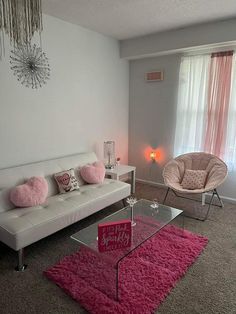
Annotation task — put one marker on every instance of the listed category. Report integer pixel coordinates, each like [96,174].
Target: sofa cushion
[33,192]
[66,181]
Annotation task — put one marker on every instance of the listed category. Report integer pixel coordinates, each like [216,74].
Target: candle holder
[132,201]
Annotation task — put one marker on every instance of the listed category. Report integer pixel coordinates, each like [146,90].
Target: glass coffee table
[149,221]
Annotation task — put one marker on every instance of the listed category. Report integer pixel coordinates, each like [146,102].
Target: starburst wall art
[30,66]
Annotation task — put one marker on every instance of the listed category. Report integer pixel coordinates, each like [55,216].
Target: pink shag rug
[146,276]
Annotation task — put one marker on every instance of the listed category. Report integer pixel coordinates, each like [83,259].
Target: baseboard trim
[228,199]
[224,198]
[151,183]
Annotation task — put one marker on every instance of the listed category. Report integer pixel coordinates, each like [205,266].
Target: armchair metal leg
[203,199]
[214,193]
[166,195]
[218,196]
[209,206]
[20,266]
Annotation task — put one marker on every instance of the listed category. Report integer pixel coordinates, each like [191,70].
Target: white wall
[188,38]
[84,103]
[153,116]
[153,105]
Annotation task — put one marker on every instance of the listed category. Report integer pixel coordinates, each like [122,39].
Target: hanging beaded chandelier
[30,66]
[19,19]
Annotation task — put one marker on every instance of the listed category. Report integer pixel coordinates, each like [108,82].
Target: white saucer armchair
[216,173]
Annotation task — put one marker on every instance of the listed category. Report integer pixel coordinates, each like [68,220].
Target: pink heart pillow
[33,192]
[93,173]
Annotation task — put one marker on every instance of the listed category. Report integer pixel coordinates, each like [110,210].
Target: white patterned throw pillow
[66,181]
[194,179]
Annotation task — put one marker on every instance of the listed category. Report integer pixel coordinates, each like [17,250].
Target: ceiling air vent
[154,76]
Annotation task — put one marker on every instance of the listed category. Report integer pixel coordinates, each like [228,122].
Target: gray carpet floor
[208,287]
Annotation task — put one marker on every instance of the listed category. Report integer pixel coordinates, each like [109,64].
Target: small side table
[120,170]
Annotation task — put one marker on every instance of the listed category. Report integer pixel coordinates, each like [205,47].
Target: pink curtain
[218,102]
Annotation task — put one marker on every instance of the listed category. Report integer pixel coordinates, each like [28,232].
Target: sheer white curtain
[192,108]
[192,104]
[230,150]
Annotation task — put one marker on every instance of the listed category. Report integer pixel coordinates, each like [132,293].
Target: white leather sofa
[20,227]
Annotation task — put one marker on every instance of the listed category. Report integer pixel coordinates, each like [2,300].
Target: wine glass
[155,204]
[131,201]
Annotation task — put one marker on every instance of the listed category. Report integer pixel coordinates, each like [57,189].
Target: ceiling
[123,19]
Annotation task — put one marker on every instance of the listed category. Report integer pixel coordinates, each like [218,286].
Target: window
[206,111]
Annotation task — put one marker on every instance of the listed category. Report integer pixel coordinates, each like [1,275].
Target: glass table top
[148,222]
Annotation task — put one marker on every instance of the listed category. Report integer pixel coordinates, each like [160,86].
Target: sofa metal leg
[166,195]
[124,202]
[20,266]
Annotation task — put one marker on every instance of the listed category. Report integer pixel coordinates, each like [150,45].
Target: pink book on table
[114,235]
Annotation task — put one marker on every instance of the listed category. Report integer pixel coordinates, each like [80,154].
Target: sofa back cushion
[10,177]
